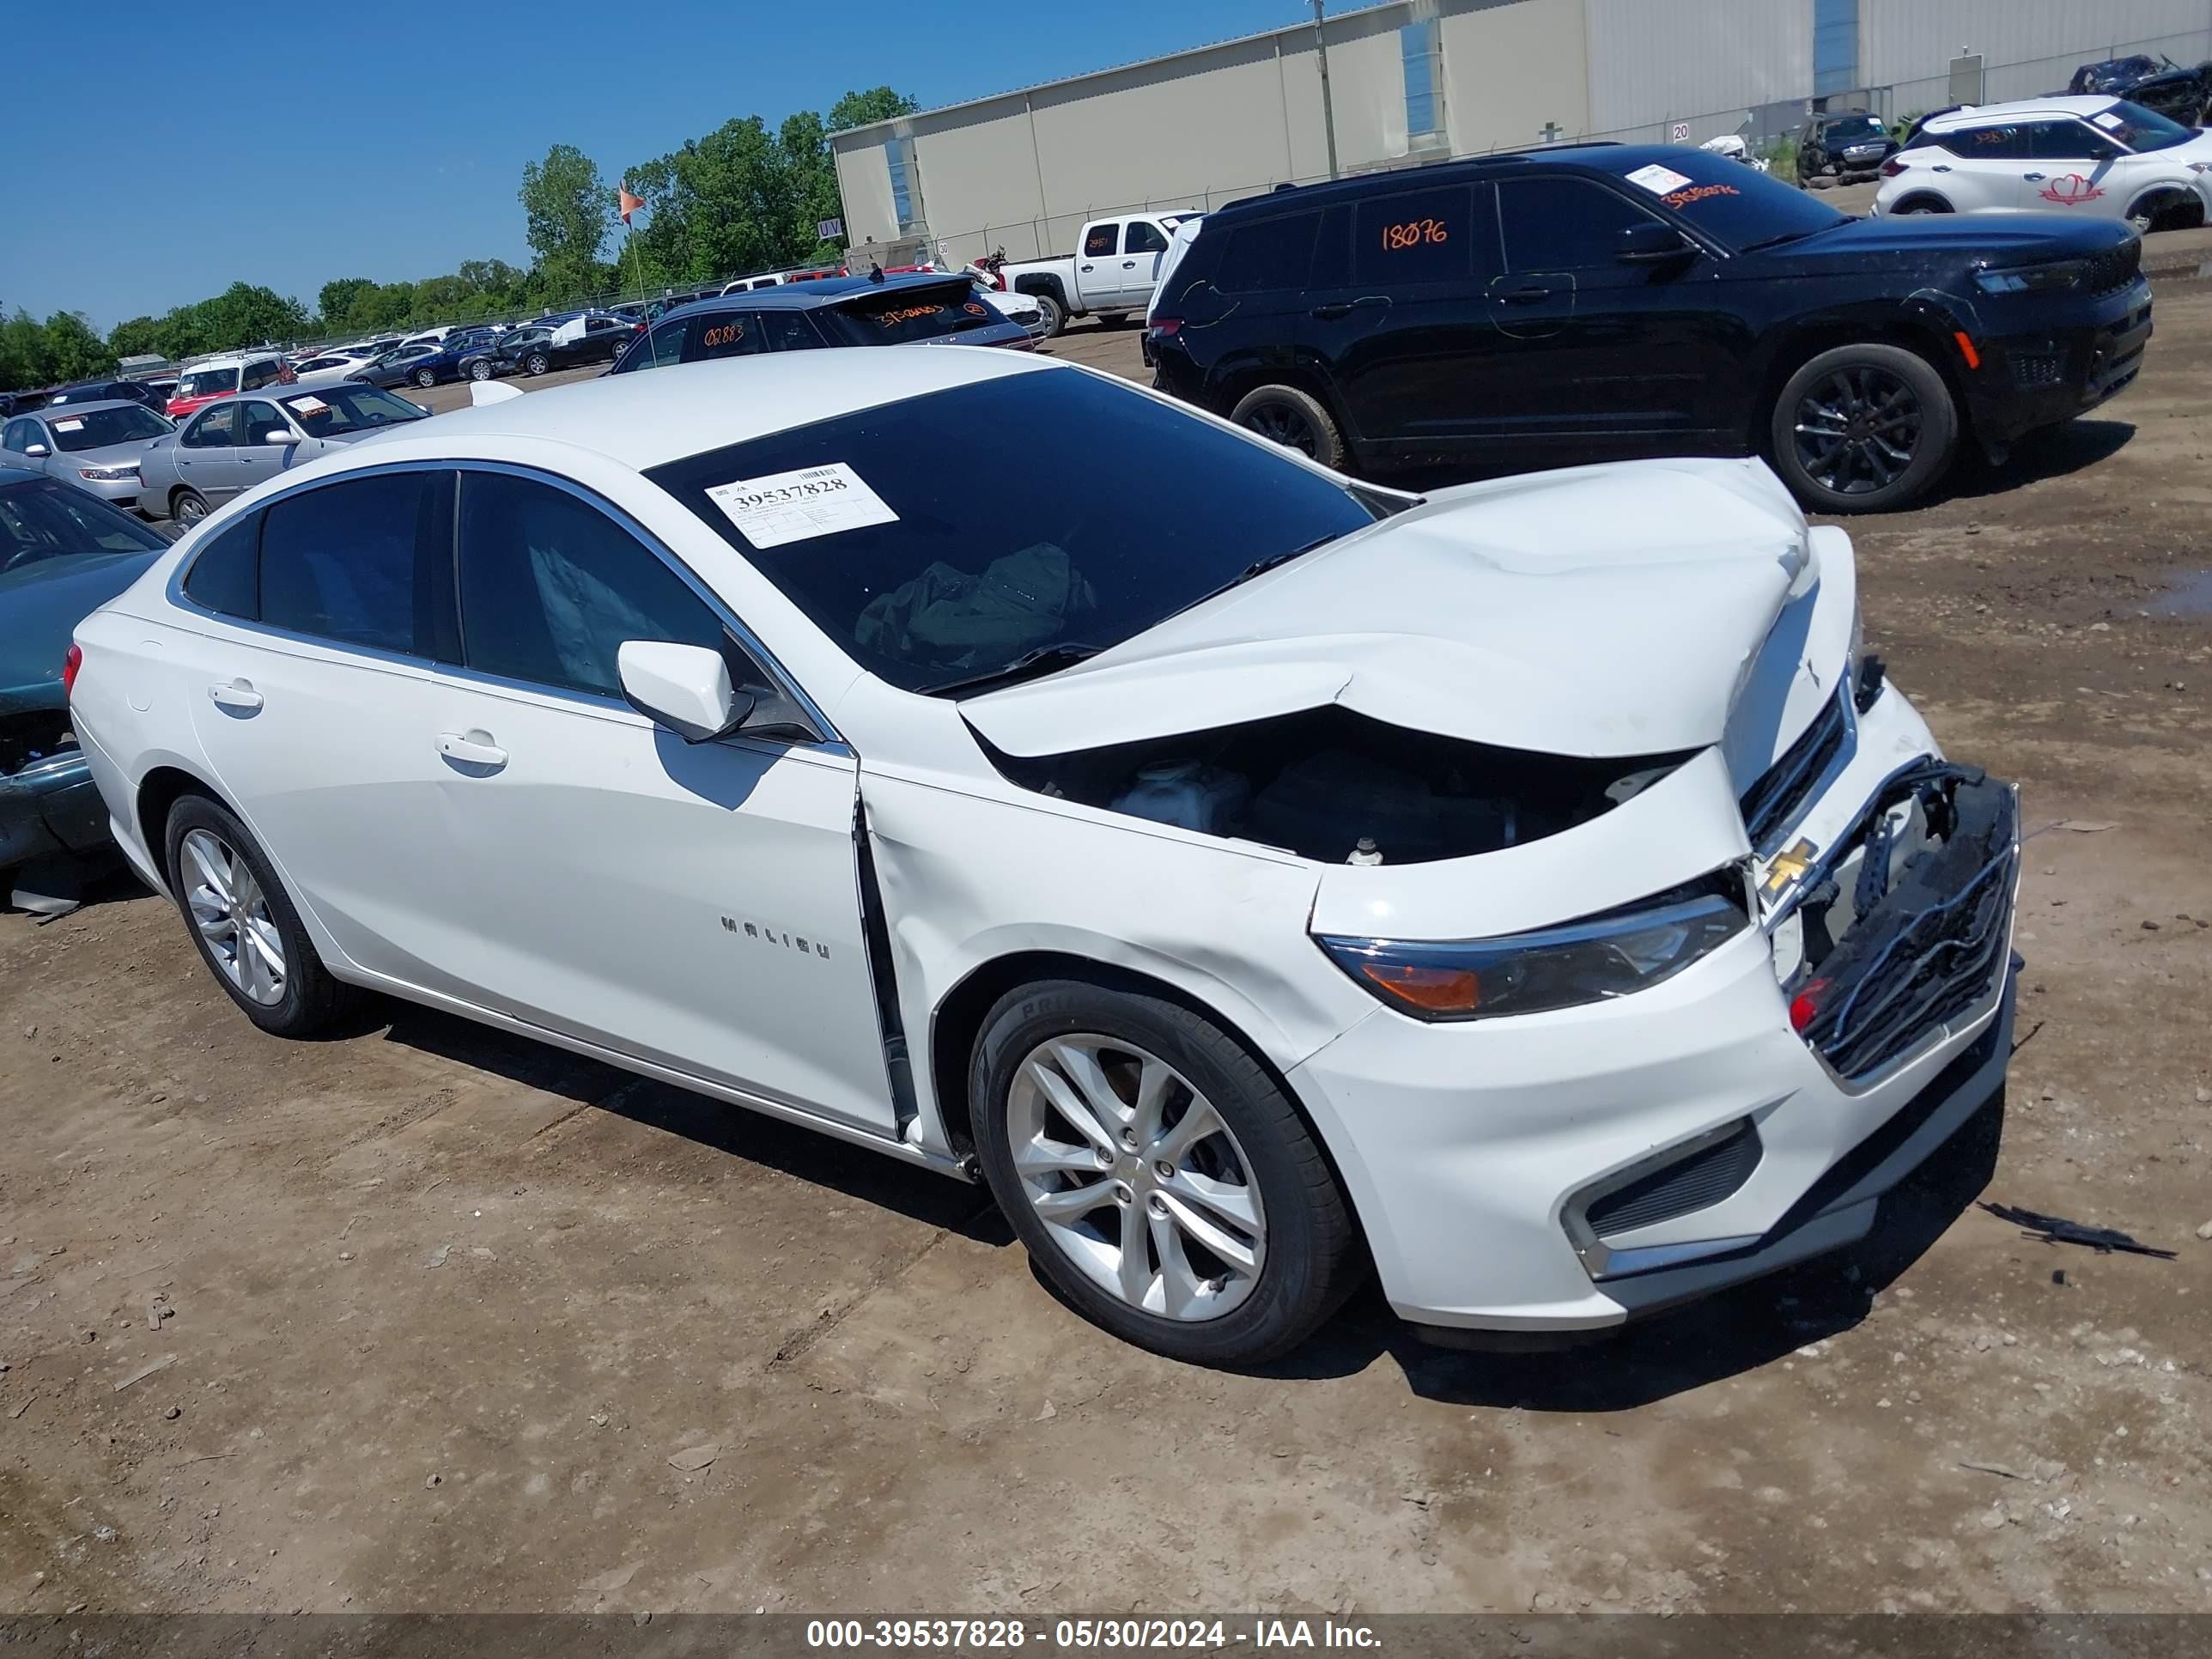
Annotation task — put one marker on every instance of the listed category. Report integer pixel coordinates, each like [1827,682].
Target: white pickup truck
[1111,274]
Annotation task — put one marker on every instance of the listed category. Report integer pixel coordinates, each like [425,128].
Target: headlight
[1593,960]
[2032,279]
[107,474]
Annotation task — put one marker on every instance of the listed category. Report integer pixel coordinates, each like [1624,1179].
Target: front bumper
[50,806]
[2037,377]
[1478,1153]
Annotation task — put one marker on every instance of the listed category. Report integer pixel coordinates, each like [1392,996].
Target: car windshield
[352,407]
[1855,126]
[208,383]
[901,316]
[1729,202]
[873,524]
[96,429]
[44,519]
[2140,129]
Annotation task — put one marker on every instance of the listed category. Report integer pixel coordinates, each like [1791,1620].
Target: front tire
[1295,419]
[1055,314]
[1863,429]
[1161,1181]
[244,923]
[480,370]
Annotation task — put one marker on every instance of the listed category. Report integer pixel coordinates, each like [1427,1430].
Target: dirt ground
[427,1318]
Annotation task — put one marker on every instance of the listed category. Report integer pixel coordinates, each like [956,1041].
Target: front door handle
[237,694]
[1526,296]
[471,749]
[2032,178]
[1332,311]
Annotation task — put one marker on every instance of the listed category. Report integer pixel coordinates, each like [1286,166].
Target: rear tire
[425,379]
[1863,429]
[537,362]
[243,922]
[1055,1080]
[1295,419]
[1921,204]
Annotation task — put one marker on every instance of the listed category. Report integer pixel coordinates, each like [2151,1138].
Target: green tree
[567,210]
[339,296]
[73,350]
[23,352]
[245,314]
[135,337]
[858,109]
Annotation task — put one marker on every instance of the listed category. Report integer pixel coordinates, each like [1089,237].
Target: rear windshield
[901,316]
[208,383]
[872,525]
[96,429]
[351,408]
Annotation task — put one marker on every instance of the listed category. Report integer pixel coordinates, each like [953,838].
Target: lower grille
[1772,804]
[2038,368]
[1696,1182]
[1934,949]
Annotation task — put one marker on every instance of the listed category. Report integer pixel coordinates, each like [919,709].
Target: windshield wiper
[1027,666]
[1257,567]
[1793,235]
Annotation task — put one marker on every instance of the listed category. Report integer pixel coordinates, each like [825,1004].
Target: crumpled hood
[1608,610]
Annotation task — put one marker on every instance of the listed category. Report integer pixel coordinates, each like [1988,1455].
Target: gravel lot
[425,1318]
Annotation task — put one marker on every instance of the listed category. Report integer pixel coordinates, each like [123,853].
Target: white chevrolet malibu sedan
[1249,874]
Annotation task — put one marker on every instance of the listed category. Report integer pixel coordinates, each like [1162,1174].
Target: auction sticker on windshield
[1658,179]
[306,405]
[68,426]
[798,507]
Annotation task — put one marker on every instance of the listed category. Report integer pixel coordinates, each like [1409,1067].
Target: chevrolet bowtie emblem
[1788,864]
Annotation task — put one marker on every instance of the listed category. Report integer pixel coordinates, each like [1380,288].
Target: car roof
[1972,115]
[1598,156]
[808,296]
[645,420]
[69,412]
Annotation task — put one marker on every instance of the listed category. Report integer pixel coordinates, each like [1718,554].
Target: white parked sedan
[1528,888]
[2097,157]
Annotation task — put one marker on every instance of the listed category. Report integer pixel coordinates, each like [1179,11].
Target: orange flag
[629,204]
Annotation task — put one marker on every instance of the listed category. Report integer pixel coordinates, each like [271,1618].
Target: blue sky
[291,143]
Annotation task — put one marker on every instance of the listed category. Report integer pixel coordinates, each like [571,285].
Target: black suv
[1602,303]
[1850,144]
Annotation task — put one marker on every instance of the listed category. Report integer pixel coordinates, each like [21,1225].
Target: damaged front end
[50,813]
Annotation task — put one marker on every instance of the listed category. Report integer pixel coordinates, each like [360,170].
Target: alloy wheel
[479,371]
[1136,1176]
[1858,430]
[232,915]
[190,509]
[1284,423]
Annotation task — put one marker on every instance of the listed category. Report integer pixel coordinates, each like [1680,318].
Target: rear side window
[551,586]
[901,316]
[1100,242]
[1415,236]
[340,562]
[266,372]
[226,576]
[2006,143]
[724,334]
[1271,255]
[1562,224]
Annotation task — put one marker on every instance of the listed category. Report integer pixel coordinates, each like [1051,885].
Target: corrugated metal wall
[1660,60]
[1911,39]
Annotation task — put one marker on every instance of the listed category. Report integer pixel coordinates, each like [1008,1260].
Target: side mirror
[37,452]
[685,688]
[1648,242]
[282,436]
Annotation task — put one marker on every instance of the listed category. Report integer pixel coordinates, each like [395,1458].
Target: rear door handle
[1332,311]
[239,695]
[1526,296]
[471,749]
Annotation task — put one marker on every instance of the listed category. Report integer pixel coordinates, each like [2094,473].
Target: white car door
[1143,241]
[1097,263]
[2071,169]
[1985,168]
[693,905]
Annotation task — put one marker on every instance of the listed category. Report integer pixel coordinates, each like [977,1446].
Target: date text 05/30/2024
[969,1634]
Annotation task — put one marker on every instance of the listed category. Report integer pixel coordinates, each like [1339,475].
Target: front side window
[2068,140]
[1562,224]
[1143,237]
[339,562]
[96,429]
[1418,236]
[216,429]
[552,587]
[18,435]
[944,582]
[261,424]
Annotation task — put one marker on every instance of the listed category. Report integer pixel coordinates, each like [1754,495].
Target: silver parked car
[96,446]
[234,444]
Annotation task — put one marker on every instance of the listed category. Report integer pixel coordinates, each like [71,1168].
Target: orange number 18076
[1414,234]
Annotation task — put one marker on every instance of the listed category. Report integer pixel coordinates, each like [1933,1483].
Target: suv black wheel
[1863,429]
[243,922]
[1292,418]
[1162,1183]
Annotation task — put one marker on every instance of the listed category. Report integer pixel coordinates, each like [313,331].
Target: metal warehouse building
[1418,81]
